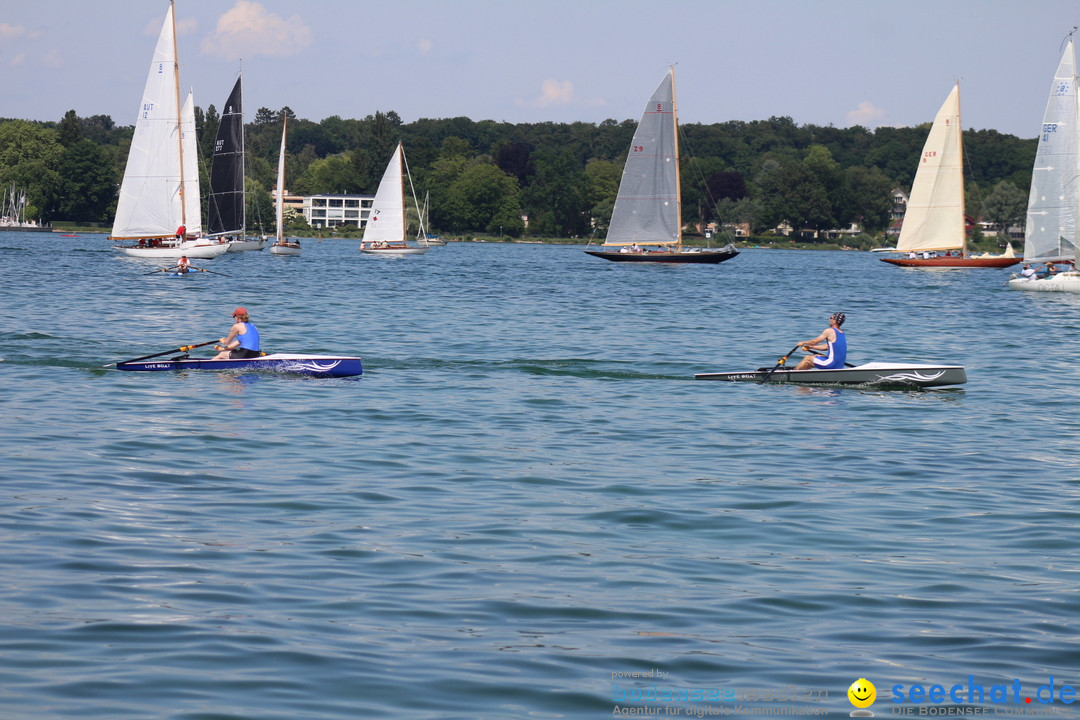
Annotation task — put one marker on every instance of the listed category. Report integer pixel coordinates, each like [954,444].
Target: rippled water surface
[526,497]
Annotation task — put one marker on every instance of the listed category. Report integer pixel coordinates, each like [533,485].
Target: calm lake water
[527,499]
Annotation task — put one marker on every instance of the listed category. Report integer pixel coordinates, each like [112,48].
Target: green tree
[70,130]
[332,175]
[88,184]
[601,187]
[555,195]
[485,198]
[30,158]
[259,207]
[866,198]
[1005,205]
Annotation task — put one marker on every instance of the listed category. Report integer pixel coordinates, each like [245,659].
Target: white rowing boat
[874,374]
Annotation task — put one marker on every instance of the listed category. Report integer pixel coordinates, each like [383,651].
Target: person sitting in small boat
[242,341]
[183,265]
[635,248]
[1047,270]
[1028,271]
[832,342]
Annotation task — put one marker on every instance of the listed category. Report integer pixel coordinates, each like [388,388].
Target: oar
[182,348]
[779,363]
[211,272]
[152,272]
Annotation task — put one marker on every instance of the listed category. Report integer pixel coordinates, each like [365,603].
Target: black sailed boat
[226,215]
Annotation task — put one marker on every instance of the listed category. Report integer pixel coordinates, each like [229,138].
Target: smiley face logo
[862,693]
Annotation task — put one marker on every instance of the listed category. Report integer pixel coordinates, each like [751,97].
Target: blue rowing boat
[289,363]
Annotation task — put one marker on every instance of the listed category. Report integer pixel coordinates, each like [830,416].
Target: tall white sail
[647,206]
[192,216]
[934,219]
[280,207]
[149,203]
[1050,232]
[386,222]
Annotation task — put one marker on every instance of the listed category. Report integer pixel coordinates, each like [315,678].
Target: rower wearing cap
[243,339]
[832,342]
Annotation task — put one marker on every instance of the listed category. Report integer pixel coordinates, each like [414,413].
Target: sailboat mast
[960,149]
[179,125]
[678,170]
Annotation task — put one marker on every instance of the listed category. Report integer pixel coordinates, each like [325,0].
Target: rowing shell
[875,373]
[291,363]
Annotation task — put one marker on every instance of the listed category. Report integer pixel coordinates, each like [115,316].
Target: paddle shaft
[780,363]
[182,348]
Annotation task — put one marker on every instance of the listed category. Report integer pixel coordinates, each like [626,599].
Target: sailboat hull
[391,252]
[289,249]
[201,250]
[246,244]
[685,256]
[1068,281]
[954,262]
[871,374]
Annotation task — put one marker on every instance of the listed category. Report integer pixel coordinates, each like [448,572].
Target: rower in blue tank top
[243,339]
[832,342]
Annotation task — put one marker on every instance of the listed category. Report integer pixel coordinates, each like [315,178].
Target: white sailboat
[646,222]
[1054,201]
[424,236]
[158,210]
[384,233]
[934,220]
[283,246]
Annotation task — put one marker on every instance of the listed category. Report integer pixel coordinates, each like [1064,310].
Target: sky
[823,62]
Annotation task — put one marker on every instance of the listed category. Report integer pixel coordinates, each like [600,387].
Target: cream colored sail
[934,219]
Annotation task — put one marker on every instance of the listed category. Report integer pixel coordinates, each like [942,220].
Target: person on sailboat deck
[1028,271]
[180,232]
[243,339]
[1049,269]
[832,342]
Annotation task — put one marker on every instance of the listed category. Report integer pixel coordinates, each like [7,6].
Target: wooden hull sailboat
[384,233]
[646,222]
[282,245]
[160,190]
[934,220]
[1054,201]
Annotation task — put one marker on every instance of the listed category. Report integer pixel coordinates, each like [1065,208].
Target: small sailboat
[424,235]
[158,210]
[226,217]
[1054,201]
[283,246]
[384,233]
[646,223]
[934,220]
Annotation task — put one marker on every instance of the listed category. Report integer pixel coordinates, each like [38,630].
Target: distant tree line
[483,176]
